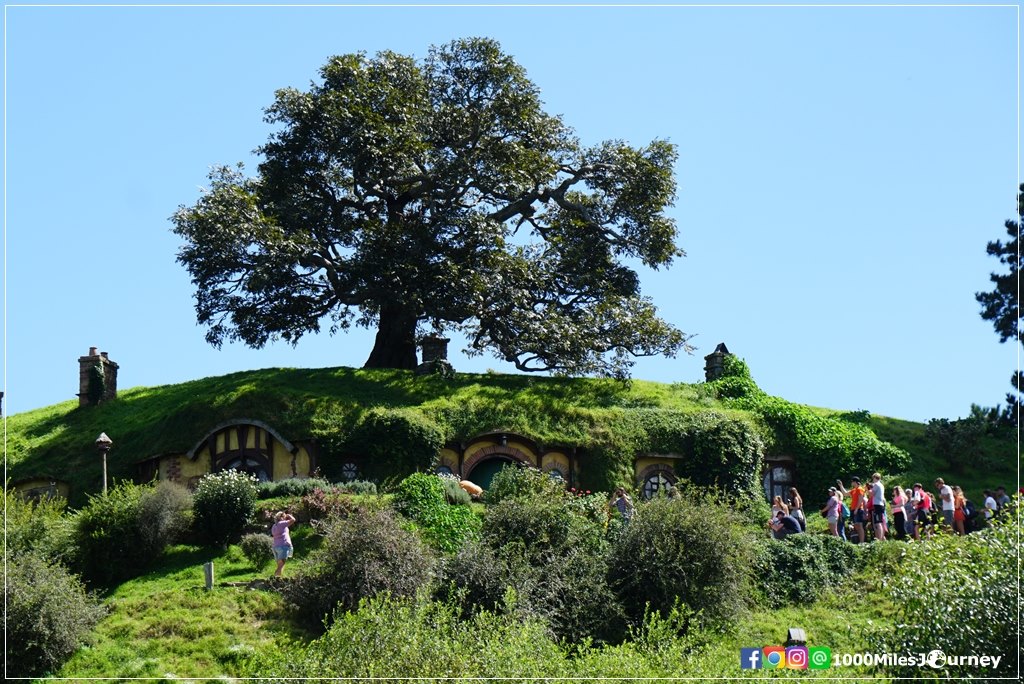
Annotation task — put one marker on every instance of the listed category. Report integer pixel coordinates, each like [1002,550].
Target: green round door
[484,472]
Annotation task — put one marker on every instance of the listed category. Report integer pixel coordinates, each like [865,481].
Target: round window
[659,481]
[349,471]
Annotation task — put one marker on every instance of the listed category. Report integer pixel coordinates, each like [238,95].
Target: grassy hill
[300,403]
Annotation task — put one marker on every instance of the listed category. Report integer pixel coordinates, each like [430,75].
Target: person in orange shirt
[858,499]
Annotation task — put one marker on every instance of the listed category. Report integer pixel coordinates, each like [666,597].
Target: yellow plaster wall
[281,462]
[530,453]
[558,460]
[187,468]
[477,447]
[449,458]
[643,463]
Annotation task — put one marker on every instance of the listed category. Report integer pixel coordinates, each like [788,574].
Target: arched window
[443,470]
[251,466]
[556,474]
[659,481]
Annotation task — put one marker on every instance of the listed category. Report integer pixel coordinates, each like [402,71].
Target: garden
[417,580]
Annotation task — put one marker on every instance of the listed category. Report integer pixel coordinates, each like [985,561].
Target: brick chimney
[714,363]
[86,364]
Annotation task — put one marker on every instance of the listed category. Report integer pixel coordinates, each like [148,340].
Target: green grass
[165,624]
[57,441]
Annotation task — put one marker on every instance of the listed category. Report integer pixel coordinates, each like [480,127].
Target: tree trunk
[395,346]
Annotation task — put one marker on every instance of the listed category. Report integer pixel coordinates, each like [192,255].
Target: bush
[48,615]
[357,487]
[165,514]
[800,568]
[118,535]
[258,549]
[421,497]
[293,486]
[454,494]
[223,506]
[39,526]
[971,582]
[366,554]
[327,503]
[517,482]
[552,553]
[396,441]
[421,639]
[692,549]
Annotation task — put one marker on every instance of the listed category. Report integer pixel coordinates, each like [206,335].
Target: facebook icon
[750,658]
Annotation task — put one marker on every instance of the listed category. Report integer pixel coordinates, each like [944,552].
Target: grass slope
[57,441]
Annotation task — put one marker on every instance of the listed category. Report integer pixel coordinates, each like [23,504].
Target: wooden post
[208,572]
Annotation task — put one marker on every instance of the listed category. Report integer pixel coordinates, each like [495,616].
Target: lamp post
[103,444]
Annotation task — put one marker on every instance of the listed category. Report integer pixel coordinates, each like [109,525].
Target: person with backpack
[858,501]
[830,511]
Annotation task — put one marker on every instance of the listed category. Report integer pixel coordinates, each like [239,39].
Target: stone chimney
[435,356]
[434,348]
[86,375]
[714,363]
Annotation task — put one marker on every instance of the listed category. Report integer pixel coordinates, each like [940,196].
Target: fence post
[208,572]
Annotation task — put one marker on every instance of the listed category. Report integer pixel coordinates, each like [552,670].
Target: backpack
[846,512]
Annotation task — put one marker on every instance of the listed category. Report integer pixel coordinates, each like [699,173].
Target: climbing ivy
[825,448]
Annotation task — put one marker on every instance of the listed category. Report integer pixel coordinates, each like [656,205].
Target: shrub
[223,505]
[397,441]
[48,615]
[800,568]
[421,497]
[454,494]
[552,553]
[357,487]
[118,535]
[517,482]
[420,639]
[691,548]
[366,554]
[293,486]
[971,582]
[258,549]
[326,503]
[39,526]
[164,516]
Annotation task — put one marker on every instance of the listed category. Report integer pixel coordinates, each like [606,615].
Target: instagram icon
[796,657]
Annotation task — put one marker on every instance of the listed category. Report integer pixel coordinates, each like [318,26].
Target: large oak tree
[436,196]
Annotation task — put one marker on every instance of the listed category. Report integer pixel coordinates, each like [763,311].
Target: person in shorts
[878,520]
[858,500]
[282,539]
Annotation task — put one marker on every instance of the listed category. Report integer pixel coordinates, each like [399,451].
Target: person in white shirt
[946,496]
[878,520]
[990,505]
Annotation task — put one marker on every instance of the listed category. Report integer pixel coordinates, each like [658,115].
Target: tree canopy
[436,196]
[1002,305]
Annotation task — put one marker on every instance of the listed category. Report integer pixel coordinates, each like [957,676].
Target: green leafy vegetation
[120,534]
[362,555]
[223,505]
[47,615]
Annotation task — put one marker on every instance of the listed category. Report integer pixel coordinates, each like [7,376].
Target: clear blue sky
[840,172]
